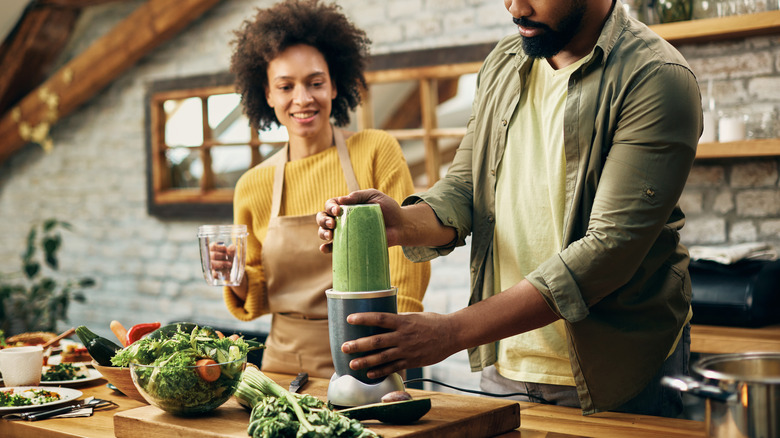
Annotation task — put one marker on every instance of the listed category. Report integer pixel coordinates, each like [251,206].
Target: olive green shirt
[620,281]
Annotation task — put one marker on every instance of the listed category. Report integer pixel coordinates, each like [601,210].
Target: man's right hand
[391,213]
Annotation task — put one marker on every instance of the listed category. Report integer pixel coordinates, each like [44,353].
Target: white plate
[55,360]
[66,395]
[92,374]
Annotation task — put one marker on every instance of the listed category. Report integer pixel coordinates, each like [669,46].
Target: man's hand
[421,339]
[391,212]
[414,340]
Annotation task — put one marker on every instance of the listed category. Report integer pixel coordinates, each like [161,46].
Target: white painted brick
[706,176]
[444,5]
[754,174]
[420,27]
[403,8]
[705,230]
[458,21]
[770,229]
[691,202]
[372,13]
[494,14]
[734,65]
[150,287]
[758,203]
[724,202]
[385,34]
[765,88]
[743,231]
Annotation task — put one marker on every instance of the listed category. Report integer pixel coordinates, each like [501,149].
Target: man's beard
[551,42]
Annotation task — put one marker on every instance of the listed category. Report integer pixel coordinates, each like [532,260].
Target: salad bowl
[188,390]
[121,379]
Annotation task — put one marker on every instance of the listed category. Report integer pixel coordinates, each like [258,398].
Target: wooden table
[718,340]
[537,421]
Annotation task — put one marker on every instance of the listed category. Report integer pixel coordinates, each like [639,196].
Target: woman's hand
[414,340]
[391,213]
[221,258]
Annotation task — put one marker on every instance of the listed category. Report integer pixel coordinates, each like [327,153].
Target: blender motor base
[347,391]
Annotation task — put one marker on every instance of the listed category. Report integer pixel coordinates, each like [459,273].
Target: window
[199,142]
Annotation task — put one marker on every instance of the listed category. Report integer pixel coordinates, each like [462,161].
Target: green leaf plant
[37,297]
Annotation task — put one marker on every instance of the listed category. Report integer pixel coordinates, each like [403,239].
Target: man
[583,131]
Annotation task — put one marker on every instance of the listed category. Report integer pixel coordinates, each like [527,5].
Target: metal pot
[741,391]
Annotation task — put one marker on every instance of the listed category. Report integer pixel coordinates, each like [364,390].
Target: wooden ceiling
[33,98]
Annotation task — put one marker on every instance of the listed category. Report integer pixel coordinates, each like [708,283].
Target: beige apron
[297,276]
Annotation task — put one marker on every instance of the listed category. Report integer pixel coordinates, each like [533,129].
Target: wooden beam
[150,25]
[75,4]
[32,51]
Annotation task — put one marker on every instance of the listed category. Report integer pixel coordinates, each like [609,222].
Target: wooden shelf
[739,149]
[717,29]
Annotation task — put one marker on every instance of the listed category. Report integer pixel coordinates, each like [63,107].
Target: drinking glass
[223,253]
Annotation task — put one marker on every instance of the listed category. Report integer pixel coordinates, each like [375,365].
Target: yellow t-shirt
[530,194]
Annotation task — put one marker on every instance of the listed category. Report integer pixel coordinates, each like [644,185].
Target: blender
[361,283]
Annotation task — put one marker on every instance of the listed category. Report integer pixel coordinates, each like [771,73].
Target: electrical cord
[474,391]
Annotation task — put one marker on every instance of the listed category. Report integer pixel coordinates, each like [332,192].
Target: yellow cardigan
[378,163]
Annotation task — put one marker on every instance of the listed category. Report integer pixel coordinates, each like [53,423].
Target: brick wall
[148,269]
[734,201]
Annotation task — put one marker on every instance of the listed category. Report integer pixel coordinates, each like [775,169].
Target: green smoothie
[360,259]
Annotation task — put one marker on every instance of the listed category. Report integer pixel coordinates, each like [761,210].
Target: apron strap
[346,168]
[276,200]
[346,163]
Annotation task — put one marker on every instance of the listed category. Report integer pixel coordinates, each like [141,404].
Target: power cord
[474,391]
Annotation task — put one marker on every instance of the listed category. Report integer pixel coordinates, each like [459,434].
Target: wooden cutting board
[450,415]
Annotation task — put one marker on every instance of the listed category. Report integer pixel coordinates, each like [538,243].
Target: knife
[299,381]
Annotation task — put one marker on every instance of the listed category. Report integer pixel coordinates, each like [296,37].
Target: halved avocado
[400,412]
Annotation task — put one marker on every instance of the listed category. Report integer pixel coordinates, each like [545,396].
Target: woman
[300,64]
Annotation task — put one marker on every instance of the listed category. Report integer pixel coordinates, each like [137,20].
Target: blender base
[347,391]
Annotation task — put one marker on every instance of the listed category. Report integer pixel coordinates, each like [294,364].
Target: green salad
[27,397]
[62,372]
[191,369]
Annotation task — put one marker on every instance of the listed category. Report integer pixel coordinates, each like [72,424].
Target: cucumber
[100,348]
[360,258]
[400,412]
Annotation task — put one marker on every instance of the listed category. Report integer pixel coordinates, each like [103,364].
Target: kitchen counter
[714,339]
[537,420]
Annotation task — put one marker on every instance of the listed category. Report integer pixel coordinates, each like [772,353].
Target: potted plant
[36,298]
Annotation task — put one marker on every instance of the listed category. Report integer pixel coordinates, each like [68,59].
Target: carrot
[119,331]
[208,369]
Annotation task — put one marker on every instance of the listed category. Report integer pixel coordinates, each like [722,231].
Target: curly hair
[288,23]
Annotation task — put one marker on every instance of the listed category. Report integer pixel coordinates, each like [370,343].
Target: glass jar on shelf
[731,125]
[762,122]
[709,115]
[669,11]
[704,9]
